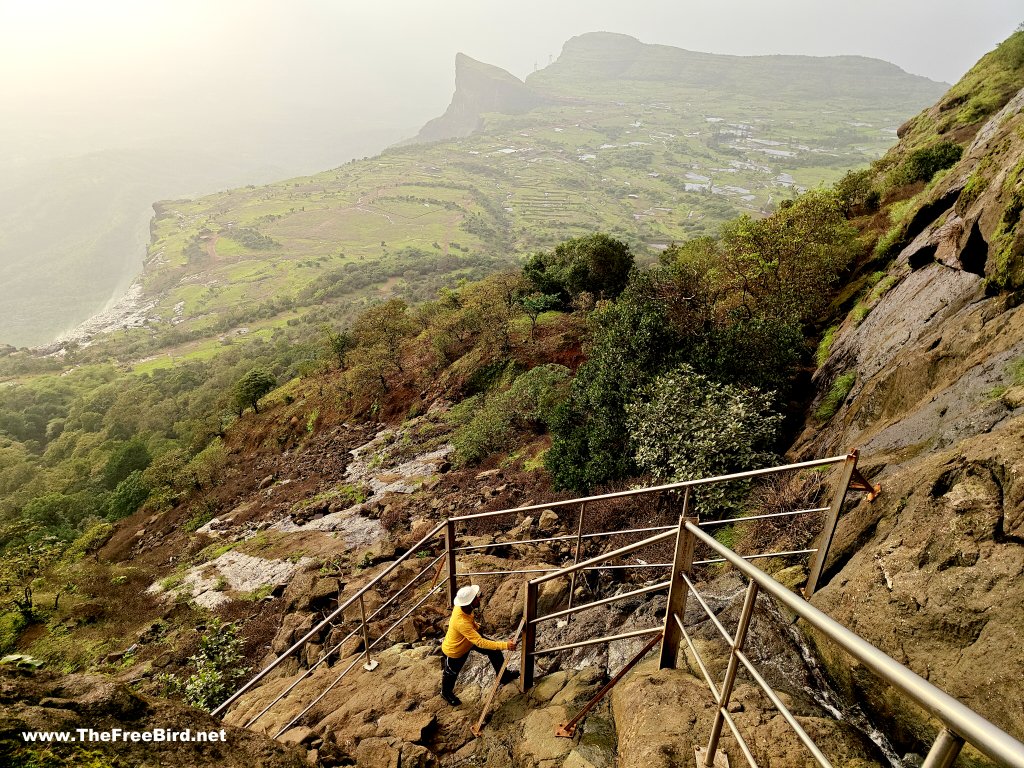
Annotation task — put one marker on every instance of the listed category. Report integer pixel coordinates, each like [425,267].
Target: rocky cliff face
[479,88]
[932,571]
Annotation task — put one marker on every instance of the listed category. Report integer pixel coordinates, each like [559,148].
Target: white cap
[466,595]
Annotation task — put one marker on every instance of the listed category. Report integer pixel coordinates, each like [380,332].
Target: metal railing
[445,534]
[328,622]
[959,723]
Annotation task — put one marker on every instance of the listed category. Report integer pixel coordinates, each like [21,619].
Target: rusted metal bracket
[568,730]
[439,571]
[860,483]
[478,728]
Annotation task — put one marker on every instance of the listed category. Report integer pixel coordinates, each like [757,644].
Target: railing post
[576,557]
[370,664]
[828,530]
[676,606]
[730,673]
[944,750]
[449,547]
[529,639]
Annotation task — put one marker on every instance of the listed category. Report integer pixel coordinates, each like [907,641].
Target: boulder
[539,747]
[548,521]
[378,753]
[407,726]
[661,715]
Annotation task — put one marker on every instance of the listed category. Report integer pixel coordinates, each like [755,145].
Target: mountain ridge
[614,56]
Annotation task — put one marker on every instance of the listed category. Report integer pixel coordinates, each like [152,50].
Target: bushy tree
[337,344]
[27,551]
[686,426]
[127,496]
[597,264]
[786,265]
[250,388]
[132,456]
[632,340]
[385,325]
[535,305]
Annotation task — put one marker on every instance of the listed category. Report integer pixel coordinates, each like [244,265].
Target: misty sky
[78,76]
[109,105]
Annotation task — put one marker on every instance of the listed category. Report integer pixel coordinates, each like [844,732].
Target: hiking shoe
[508,676]
[452,699]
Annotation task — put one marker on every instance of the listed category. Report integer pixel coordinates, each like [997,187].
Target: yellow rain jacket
[464,633]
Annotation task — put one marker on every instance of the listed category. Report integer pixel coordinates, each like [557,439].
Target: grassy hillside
[653,153]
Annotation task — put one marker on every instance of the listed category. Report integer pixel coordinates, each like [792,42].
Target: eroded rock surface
[932,571]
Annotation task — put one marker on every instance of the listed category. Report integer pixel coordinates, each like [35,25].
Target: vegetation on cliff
[584,361]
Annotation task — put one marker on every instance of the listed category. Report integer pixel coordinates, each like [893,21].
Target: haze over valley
[110,109]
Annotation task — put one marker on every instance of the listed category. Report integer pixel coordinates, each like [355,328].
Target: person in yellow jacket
[464,636]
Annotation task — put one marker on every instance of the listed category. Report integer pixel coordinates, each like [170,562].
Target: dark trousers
[450,668]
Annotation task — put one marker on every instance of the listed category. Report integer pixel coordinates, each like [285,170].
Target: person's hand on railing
[511,645]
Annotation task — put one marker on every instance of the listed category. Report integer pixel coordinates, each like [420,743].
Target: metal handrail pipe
[605,601]
[971,726]
[739,737]
[628,566]
[626,531]
[334,614]
[667,487]
[408,584]
[700,661]
[746,518]
[635,566]
[758,556]
[302,677]
[707,609]
[507,573]
[597,641]
[337,680]
[513,543]
[319,698]
[600,534]
[344,640]
[406,615]
[784,711]
[607,556]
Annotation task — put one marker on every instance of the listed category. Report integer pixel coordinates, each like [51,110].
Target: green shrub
[891,242]
[217,672]
[198,519]
[127,497]
[686,426]
[825,345]
[487,423]
[11,624]
[836,396]
[922,164]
